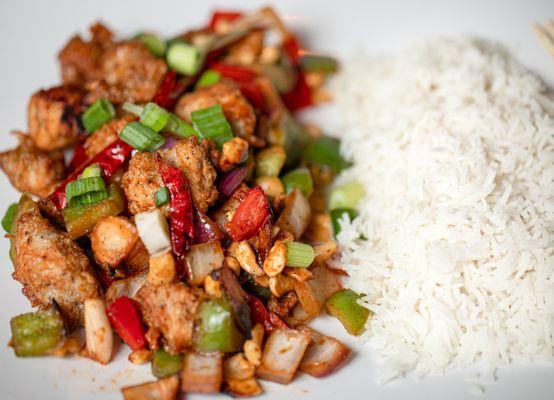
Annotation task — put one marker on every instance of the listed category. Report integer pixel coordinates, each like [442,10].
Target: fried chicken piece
[141,181]
[236,108]
[130,73]
[32,170]
[80,60]
[171,309]
[189,156]
[53,117]
[50,266]
[106,135]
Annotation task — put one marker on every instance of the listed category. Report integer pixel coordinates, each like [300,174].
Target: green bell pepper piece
[34,334]
[216,329]
[165,364]
[343,306]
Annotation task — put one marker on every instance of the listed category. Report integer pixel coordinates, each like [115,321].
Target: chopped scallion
[133,108]
[141,137]
[161,196]
[179,127]
[337,214]
[153,42]
[299,255]
[154,117]
[7,221]
[92,171]
[210,123]
[184,58]
[80,187]
[100,112]
[300,178]
[325,150]
[89,199]
[208,78]
[346,196]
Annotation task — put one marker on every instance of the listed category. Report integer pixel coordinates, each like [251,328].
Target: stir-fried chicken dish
[171,200]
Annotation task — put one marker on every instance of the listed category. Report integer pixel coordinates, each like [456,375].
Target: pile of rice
[453,141]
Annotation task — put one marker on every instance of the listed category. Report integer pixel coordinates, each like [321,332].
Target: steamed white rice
[454,143]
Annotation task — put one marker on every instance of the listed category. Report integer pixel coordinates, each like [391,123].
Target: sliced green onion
[133,108]
[208,78]
[325,150]
[299,255]
[318,63]
[154,117]
[82,186]
[156,45]
[91,171]
[7,221]
[210,123]
[100,112]
[165,364]
[184,58]
[337,214]
[300,178]
[346,196]
[141,137]
[89,199]
[270,161]
[161,196]
[179,127]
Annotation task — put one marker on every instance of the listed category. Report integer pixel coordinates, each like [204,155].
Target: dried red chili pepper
[169,91]
[181,219]
[250,216]
[300,96]
[219,16]
[109,160]
[79,157]
[291,46]
[260,314]
[234,72]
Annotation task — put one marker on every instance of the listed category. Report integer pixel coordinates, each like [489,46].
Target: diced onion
[153,231]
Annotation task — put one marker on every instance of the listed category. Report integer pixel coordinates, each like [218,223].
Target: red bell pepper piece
[125,317]
[234,72]
[181,219]
[169,91]
[219,16]
[109,160]
[299,97]
[261,315]
[291,46]
[79,157]
[250,216]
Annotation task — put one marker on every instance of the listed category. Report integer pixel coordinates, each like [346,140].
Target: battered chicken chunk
[236,108]
[130,73]
[32,170]
[141,181]
[170,308]
[53,117]
[106,135]
[191,158]
[80,60]
[49,265]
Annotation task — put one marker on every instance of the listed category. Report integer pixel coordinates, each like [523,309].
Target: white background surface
[33,32]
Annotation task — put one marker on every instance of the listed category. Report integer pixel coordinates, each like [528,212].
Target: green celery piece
[34,334]
[166,364]
[270,161]
[9,217]
[216,329]
[347,195]
[325,150]
[300,178]
[343,306]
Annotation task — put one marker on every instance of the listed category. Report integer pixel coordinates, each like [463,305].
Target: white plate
[32,33]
